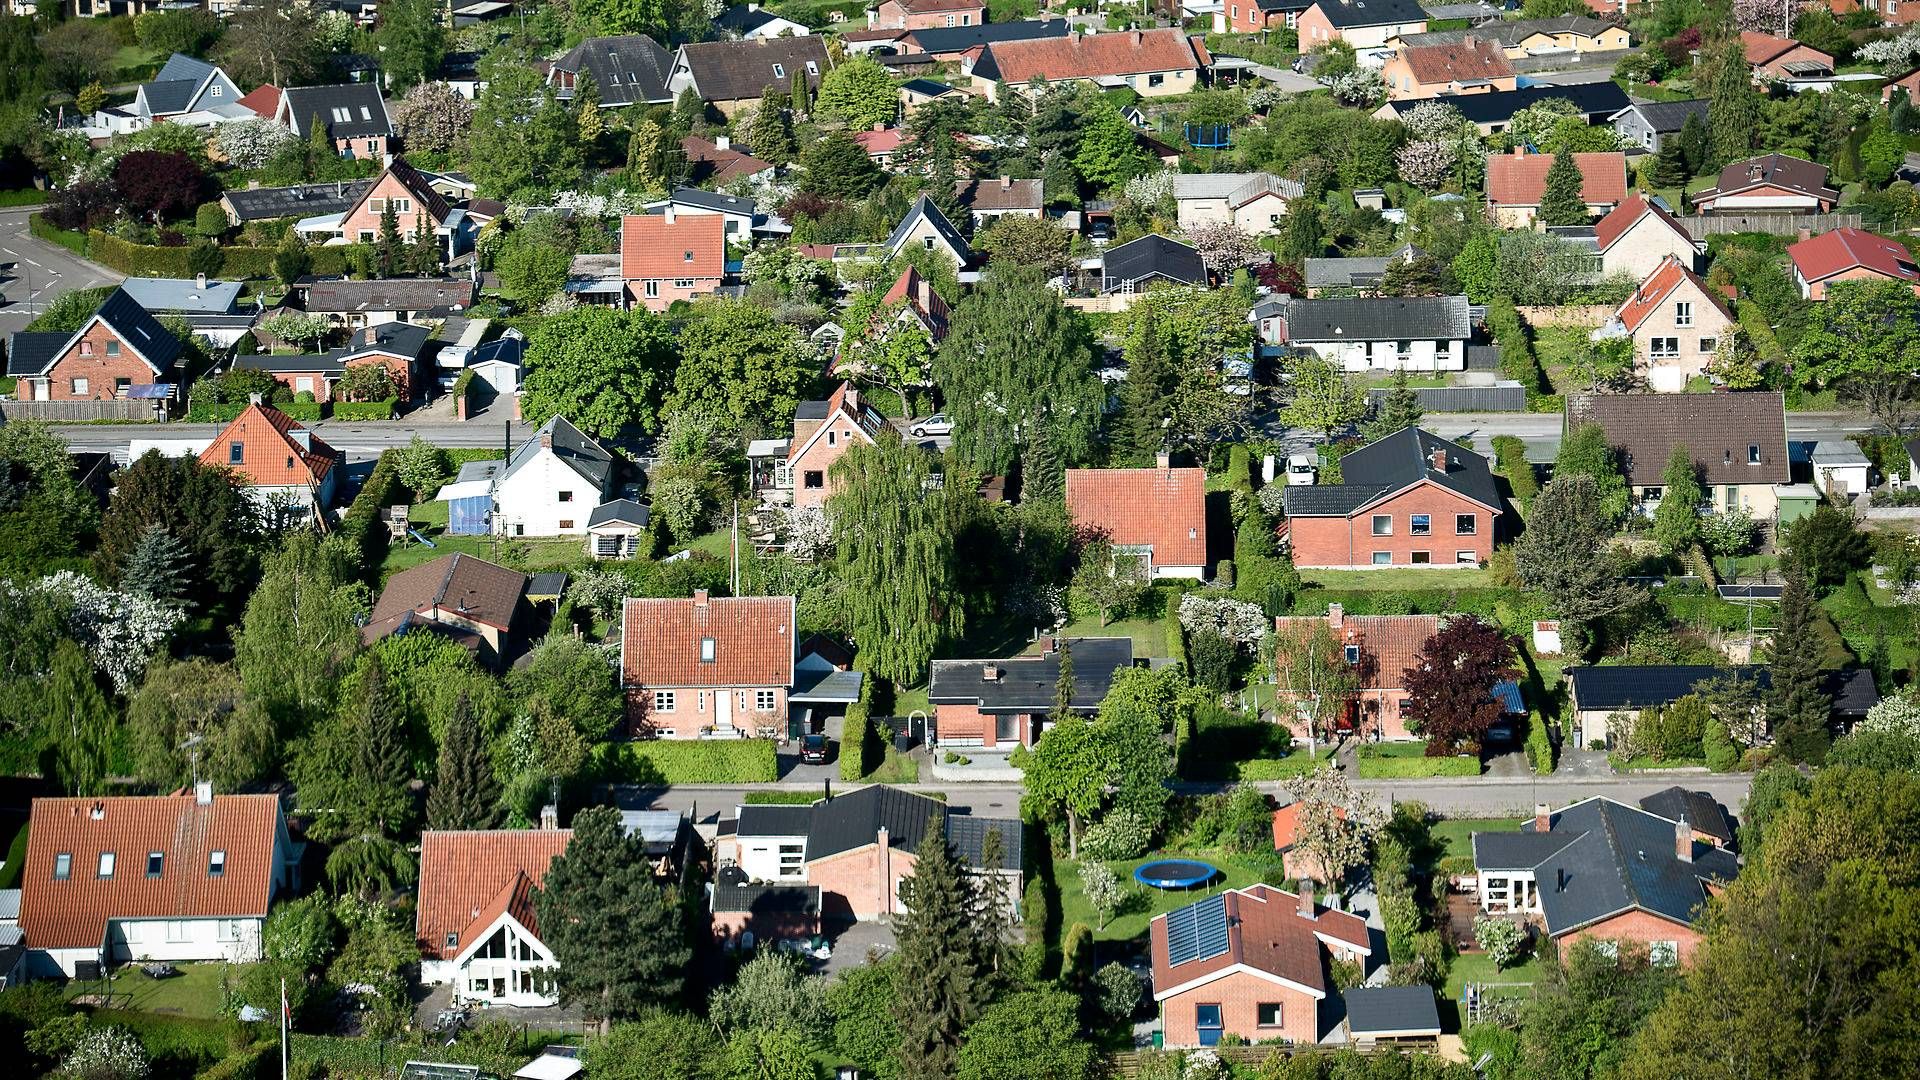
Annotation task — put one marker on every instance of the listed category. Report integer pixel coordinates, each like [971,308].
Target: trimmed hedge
[1510,458]
[1294,764]
[16,860]
[256,1062]
[147,260]
[1517,359]
[1512,609]
[306,411]
[40,227]
[1176,634]
[361,522]
[1539,744]
[691,761]
[214,412]
[1376,764]
[365,410]
[861,751]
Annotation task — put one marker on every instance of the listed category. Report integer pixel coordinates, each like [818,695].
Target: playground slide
[415,533]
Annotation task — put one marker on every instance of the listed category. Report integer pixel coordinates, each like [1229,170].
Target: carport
[818,692]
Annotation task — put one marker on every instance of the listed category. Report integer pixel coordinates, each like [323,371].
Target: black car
[813,749]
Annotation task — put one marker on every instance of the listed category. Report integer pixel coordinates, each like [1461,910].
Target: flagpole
[283,1028]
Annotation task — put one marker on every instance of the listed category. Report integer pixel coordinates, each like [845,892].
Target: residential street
[38,272]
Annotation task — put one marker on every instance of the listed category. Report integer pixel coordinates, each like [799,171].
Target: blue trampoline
[1174,874]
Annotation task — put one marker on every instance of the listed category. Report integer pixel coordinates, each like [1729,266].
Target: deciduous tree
[201,506]
[601,369]
[1450,687]
[1564,555]
[412,42]
[1324,400]
[857,92]
[1676,521]
[1865,340]
[738,362]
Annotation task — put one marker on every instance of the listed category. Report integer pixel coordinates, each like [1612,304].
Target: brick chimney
[1306,898]
[546,439]
[550,818]
[1006,182]
[203,793]
[1336,616]
[1136,38]
[1163,461]
[723,142]
[699,598]
[1683,840]
[1439,459]
[1542,818]
[853,397]
[925,290]
[670,214]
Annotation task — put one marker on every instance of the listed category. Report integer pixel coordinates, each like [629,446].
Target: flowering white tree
[1152,192]
[120,631]
[1359,88]
[1893,55]
[1224,246]
[1335,826]
[809,538]
[594,204]
[1240,622]
[431,117]
[249,144]
[1433,120]
[107,1053]
[1765,16]
[1897,714]
[1426,163]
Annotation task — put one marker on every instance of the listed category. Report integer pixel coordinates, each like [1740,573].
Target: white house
[1385,333]
[1841,467]
[552,483]
[1256,202]
[151,877]
[475,922]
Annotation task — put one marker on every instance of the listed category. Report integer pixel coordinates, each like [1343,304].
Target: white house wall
[529,498]
[760,857]
[1385,355]
[233,940]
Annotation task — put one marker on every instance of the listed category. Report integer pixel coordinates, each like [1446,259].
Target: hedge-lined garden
[233,262]
[691,761]
[1406,760]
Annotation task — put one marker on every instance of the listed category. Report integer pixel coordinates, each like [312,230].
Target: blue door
[1206,1019]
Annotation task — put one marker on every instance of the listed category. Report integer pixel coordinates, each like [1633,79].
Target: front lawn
[429,519]
[1142,903]
[1478,967]
[195,992]
[895,768]
[1392,760]
[1401,578]
[1455,837]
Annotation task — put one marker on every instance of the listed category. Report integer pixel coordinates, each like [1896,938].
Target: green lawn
[1149,635]
[1477,967]
[1395,577]
[895,768]
[1455,835]
[1409,759]
[194,992]
[430,520]
[1142,903]
[907,702]
[1558,347]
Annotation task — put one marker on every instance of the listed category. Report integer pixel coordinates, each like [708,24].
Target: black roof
[350,110]
[1696,808]
[1643,686]
[573,448]
[627,70]
[299,200]
[951,39]
[324,363]
[744,18]
[386,294]
[924,207]
[1154,255]
[1620,858]
[1026,683]
[1395,1010]
[767,899]
[1664,116]
[30,351]
[775,820]
[398,338]
[1329,500]
[854,820]
[623,511]
[968,835]
[1597,101]
[1379,318]
[710,200]
[1398,461]
[1342,14]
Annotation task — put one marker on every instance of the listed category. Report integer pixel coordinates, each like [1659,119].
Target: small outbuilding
[1390,1014]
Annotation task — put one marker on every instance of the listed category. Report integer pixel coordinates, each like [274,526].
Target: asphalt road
[360,441]
[38,272]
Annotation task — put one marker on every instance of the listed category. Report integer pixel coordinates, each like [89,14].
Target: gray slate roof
[575,449]
[184,295]
[1620,858]
[349,110]
[767,899]
[1231,186]
[1595,101]
[952,39]
[1345,14]
[1509,34]
[389,294]
[1666,116]
[710,200]
[1697,808]
[173,89]
[775,820]
[1392,1010]
[1154,256]
[849,821]
[1026,683]
[30,353]
[1381,318]
[741,70]
[1398,461]
[622,511]
[299,200]
[627,70]
[923,207]
[1642,686]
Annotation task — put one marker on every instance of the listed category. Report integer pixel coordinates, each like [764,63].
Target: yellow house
[1152,63]
[1576,34]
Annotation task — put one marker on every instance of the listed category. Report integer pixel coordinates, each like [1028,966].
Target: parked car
[1300,470]
[937,424]
[813,749]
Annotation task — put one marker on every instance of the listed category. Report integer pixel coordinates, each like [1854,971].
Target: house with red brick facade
[1001,704]
[120,351]
[286,470]
[926,14]
[823,431]
[1254,16]
[1850,254]
[1363,24]
[415,205]
[855,849]
[1380,649]
[1770,183]
[1783,58]
[401,348]
[1411,499]
[1251,963]
[1157,515]
[707,667]
[354,115]
[1605,871]
[672,256]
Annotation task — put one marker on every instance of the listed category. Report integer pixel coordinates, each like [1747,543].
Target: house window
[779,71]
[1608,949]
[1420,525]
[1421,558]
[178,931]
[1663,953]
[1267,1014]
[1682,313]
[519,528]
[1206,1023]
[683,283]
[831,435]
[366,236]
[342,114]
[663,701]
[1753,453]
[373,146]
[79,386]
[113,347]
[376,206]
[566,523]
[121,386]
[813,479]
[1663,348]
[402,206]
[1465,524]
[1156,79]
[105,870]
[156,861]
[217,864]
[1469,557]
[653,289]
[706,650]
[763,700]
[813,68]
[453,939]
[664,732]
[1383,558]
[228,930]
[1709,344]
[236,453]
[950,20]
[214,90]
[62,866]
[1353,654]
[566,496]
[1383,524]
[793,859]
[686,256]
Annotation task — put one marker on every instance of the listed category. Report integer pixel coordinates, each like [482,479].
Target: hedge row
[1517,359]
[1294,764]
[1511,608]
[199,412]
[42,228]
[1539,744]
[253,1063]
[861,751]
[149,260]
[1510,458]
[692,761]
[1176,634]
[365,410]
[361,523]
[306,411]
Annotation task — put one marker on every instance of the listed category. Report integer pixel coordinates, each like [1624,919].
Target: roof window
[706,650]
[217,864]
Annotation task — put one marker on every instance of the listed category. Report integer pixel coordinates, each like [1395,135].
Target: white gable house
[552,483]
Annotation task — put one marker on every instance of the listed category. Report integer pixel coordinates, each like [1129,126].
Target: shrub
[1076,955]
[361,523]
[253,1063]
[1376,764]
[733,761]
[40,227]
[1502,939]
[1176,634]
[305,411]
[1120,835]
[364,410]
[860,751]
[1517,359]
[1539,745]
[1721,753]
[1213,656]
[1510,457]
[1118,991]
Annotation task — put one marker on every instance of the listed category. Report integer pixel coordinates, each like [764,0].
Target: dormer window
[706,650]
[1753,453]
[217,864]
[236,453]
[813,68]
[688,257]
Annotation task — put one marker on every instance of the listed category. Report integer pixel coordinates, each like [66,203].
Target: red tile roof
[1623,217]
[1764,48]
[73,914]
[1466,60]
[1089,56]
[264,101]
[724,165]
[467,879]
[1667,278]
[275,450]
[884,141]
[919,294]
[844,401]
[1266,932]
[1392,643]
[1286,824]
[1164,508]
[752,636]
[673,246]
[1521,180]
[926,7]
[1845,249]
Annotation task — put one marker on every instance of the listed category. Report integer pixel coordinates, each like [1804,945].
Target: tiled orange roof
[1631,210]
[468,878]
[1265,931]
[264,101]
[1164,508]
[1467,60]
[844,401]
[1835,252]
[1392,643]
[73,914]
[1667,278]
[1521,180]
[1089,56]
[662,641]
[671,245]
[919,294]
[271,450]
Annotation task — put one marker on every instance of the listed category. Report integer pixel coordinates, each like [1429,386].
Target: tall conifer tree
[466,794]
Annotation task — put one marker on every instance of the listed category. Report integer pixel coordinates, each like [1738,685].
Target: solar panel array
[1197,931]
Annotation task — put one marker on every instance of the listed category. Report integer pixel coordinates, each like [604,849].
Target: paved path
[38,272]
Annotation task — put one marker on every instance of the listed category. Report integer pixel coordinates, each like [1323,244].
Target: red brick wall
[358,148]
[400,371]
[87,359]
[770,926]
[1377,710]
[1314,29]
[1245,17]
[853,884]
[687,717]
[968,722]
[1350,541]
[892,16]
[1239,995]
[361,219]
[820,458]
[669,292]
[1640,928]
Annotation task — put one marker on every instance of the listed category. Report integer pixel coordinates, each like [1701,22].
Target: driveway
[36,272]
[853,943]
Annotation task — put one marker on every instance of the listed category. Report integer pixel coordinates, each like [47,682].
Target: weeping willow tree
[893,527]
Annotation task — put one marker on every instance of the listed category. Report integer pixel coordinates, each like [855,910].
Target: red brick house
[354,115]
[1250,963]
[1000,704]
[1910,82]
[1517,182]
[822,433]
[1158,514]
[120,351]
[1249,16]
[402,348]
[1604,871]
[1411,499]
[286,469]
[1850,255]
[707,667]
[1380,648]
[415,205]
[671,256]
[1890,12]
[1784,58]
[1771,183]
[475,923]
[926,14]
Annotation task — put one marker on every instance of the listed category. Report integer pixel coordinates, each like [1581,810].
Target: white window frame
[765,700]
[1419,524]
[1382,558]
[1378,519]
[104,868]
[217,864]
[1683,313]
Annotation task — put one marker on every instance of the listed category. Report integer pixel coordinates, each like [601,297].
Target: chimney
[1306,898]
[1520,150]
[699,598]
[253,185]
[883,865]
[1559,879]
[1439,459]
[1805,235]
[1336,616]
[1162,461]
[550,818]
[853,397]
[723,142]
[670,214]
[879,125]
[991,672]
[1683,840]
[199,281]
[546,439]
[1542,818]
[1136,39]
[827,789]
[1006,182]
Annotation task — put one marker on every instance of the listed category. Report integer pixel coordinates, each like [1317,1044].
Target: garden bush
[1120,835]
[305,411]
[1509,608]
[46,230]
[860,748]
[149,260]
[1539,744]
[253,1063]
[1510,457]
[691,761]
[364,410]
[361,523]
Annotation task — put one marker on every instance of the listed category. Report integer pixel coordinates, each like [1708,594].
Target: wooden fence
[76,411]
[1128,1063]
[1701,226]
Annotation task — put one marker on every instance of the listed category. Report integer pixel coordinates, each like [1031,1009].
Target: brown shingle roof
[1265,931]
[1521,179]
[271,451]
[1467,60]
[723,166]
[999,193]
[423,194]
[740,70]
[1719,430]
[1793,174]
[661,641]
[468,878]
[1164,508]
[462,585]
[1088,56]
[73,914]
[673,246]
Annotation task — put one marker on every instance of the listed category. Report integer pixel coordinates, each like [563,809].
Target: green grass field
[430,519]
[1142,903]
[1455,835]
[1149,634]
[1478,967]
[1400,578]
[195,992]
